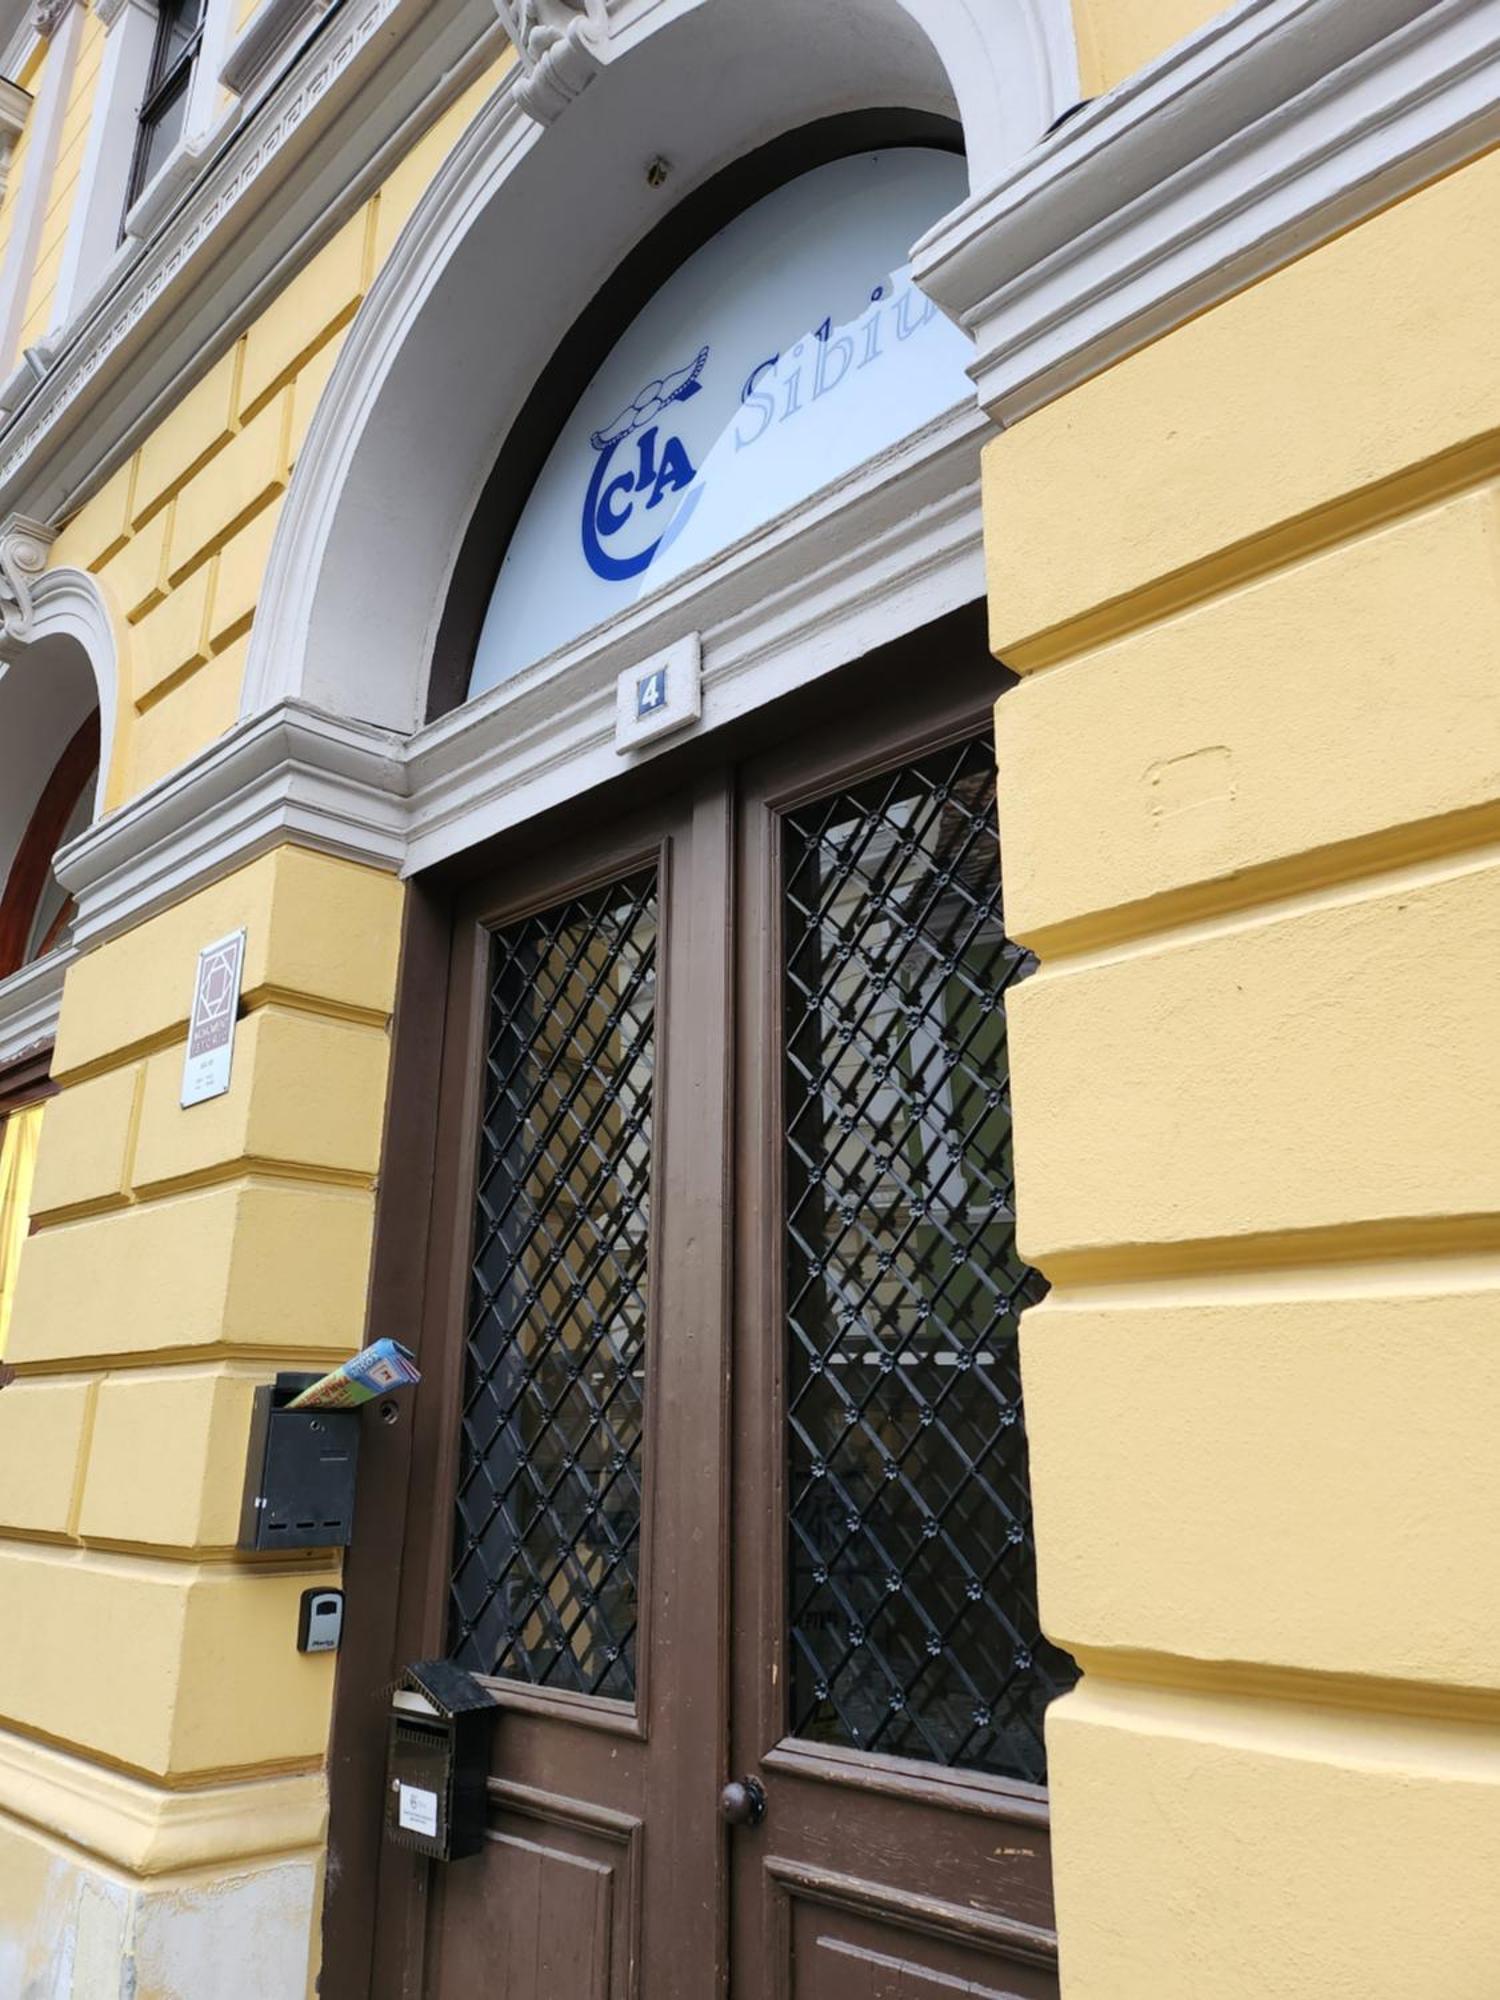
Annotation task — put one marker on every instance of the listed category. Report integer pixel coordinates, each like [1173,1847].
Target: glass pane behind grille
[549,1495]
[913,1613]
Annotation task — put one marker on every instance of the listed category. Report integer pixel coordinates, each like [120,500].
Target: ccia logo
[623,489]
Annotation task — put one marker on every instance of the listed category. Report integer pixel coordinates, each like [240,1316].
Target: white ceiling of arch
[788,350]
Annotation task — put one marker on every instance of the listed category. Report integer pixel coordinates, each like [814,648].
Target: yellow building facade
[1225,480]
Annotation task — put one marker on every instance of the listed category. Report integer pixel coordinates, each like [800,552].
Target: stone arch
[520,227]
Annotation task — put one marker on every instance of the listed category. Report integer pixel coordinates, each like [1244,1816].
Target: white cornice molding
[193,282]
[1276,126]
[30,1001]
[894,546]
[290,775]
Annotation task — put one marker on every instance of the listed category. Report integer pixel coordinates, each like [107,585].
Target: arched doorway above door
[519,232]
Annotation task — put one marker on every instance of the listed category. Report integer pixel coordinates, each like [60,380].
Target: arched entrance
[697,1194]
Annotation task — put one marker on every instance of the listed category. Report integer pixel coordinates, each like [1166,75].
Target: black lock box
[437,1761]
[299,1476]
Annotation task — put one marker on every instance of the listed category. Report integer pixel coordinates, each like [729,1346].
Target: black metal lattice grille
[913,1617]
[549,1492]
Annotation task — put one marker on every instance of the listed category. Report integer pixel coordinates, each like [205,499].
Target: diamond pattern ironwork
[549,1492]
[913,1616]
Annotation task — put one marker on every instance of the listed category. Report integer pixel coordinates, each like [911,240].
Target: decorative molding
[30,1001]
[1273,128]
[24,547]
[563,45]
[265,38]
[290,775]
[46,15]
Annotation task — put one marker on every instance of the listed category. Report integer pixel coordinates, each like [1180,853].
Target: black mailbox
[437,1761]
[299,1476]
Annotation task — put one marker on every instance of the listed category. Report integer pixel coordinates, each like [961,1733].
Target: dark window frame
[169,78]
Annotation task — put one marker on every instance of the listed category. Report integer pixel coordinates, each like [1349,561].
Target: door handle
[743,1802]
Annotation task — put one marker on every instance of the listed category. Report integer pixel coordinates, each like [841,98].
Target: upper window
[179,35]
[787,351]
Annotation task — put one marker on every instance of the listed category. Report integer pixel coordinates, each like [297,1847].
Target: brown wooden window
[179,36]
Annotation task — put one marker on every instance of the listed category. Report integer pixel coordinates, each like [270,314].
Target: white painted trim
[887,550]
[30,1002]
[68,603]
[266,39]
[35,190]
[1276,126]
[292,775]
[93,239]
[15,109]
[894,546]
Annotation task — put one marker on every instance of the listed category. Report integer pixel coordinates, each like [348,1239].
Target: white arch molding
[58,656]
[42,611]
[520,227]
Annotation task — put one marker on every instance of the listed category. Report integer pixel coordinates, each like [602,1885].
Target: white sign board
[417,1810]
[216,1006]
[660,696]
[789,350]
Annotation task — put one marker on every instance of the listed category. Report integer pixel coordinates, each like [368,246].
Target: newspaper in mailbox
[385,1366]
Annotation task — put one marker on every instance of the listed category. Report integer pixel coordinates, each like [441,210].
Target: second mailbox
[438,1760]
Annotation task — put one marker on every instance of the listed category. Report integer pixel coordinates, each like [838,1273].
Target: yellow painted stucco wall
[1118,37]
[1250,793]
[180,535]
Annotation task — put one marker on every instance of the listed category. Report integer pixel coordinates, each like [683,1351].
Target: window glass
[787,351]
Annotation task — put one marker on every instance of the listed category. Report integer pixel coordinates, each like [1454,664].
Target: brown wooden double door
[719,1468]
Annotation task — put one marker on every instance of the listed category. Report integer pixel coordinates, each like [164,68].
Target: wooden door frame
[408,1202]
[874,739]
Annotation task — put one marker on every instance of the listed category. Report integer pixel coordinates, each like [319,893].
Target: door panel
[890,1672]
[576,1313]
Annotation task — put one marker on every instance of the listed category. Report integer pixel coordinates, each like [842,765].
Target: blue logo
[661,466]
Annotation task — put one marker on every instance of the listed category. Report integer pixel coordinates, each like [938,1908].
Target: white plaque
[216,1006]
[417,1810]
[659,696]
